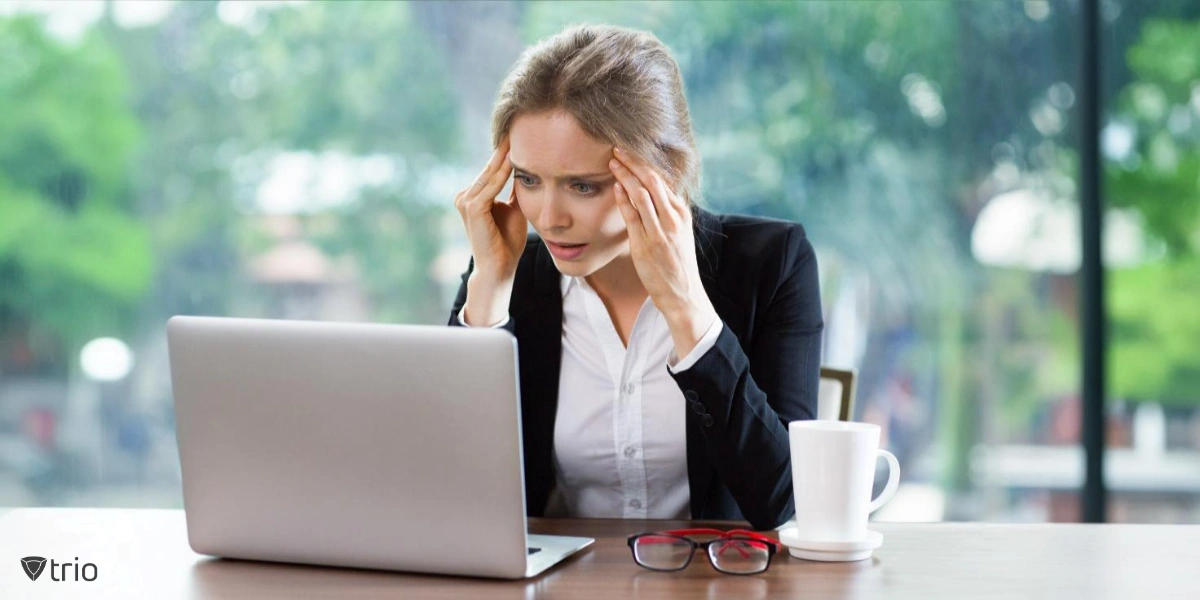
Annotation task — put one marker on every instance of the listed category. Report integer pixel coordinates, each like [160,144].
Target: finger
[494,163]
[483,198]
[638,196]
[463,198]
[633,221]
[653,182]
[665,201]
[495,183]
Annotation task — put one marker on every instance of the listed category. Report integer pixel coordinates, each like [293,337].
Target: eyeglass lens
[740,557]
[662,552]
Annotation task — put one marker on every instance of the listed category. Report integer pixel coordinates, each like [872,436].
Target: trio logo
[34,565]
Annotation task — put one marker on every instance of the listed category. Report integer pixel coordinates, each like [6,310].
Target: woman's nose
[553,214]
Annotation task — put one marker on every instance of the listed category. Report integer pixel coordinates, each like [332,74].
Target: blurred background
[299,159]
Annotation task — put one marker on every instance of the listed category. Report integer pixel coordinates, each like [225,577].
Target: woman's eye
[586,189]
[525,180]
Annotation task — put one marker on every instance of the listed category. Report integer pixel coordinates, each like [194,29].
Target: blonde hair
[621,85]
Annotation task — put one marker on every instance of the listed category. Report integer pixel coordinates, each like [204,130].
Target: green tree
[1153,308]
[219,100]
[74,261]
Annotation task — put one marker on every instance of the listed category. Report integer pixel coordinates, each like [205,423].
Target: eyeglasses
[736,552]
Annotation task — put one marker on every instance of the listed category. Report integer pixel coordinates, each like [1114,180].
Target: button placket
[631,410]
[627,425]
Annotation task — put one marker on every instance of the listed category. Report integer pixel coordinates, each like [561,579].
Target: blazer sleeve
[745,398]
[460,300]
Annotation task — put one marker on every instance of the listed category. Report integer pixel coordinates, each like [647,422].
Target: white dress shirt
[620,443]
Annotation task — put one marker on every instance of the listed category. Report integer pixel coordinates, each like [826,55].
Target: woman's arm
[752,395]
[460,301]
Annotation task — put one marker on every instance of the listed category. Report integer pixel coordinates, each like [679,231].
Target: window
[298,160]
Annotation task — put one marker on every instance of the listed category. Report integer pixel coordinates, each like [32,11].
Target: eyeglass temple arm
[716,532]
[648,536]
[724,534]
[732,532]
[755,535]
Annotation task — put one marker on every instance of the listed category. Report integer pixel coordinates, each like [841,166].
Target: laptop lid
[351,444]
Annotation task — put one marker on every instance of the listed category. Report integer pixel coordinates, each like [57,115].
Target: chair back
[835,394]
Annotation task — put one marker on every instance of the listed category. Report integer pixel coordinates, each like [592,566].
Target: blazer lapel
[541,361]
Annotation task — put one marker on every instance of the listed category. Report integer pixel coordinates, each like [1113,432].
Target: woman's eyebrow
[564,177]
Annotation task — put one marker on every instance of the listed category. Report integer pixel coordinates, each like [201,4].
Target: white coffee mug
[833,467]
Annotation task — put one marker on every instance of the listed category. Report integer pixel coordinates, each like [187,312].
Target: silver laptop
[374,446]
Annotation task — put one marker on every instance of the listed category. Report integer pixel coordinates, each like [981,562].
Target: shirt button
[629,389]
[635,503]
[630,451]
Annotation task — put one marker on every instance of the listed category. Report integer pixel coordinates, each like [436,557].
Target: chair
[835,394]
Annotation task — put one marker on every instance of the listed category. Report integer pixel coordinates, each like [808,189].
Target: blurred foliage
[74,258]
[359,79]
[88,211]
[1156,332]
[1155,308]
[369,80]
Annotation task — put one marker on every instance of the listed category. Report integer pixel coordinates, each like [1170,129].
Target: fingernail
[618,150]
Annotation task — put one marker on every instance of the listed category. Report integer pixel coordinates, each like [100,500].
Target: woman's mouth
[566,251]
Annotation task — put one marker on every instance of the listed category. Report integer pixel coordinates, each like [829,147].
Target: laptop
[392,447]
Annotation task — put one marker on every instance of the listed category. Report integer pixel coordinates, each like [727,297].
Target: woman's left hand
[663,248]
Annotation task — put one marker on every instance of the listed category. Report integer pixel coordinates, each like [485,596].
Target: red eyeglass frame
[773,547]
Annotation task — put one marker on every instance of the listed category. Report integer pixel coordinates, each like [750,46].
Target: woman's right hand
[497,233]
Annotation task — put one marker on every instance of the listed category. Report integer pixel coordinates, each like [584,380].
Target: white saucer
[827,551]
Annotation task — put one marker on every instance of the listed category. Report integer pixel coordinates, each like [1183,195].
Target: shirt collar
[567,281]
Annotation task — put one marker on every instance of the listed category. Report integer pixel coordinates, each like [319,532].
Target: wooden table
[143,553]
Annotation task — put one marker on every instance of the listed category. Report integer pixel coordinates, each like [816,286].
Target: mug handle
[893,482]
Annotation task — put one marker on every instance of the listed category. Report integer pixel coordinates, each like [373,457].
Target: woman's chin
[571,268]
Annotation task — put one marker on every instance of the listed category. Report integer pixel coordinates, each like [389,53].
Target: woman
[663,348]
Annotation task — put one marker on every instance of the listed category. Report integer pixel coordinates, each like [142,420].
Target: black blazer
[761,276]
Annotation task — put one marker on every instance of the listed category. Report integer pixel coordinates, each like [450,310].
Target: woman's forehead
[554,145]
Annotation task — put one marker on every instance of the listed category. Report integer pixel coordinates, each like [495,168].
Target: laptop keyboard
[532,551]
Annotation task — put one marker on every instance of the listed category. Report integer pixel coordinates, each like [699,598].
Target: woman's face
[565,189]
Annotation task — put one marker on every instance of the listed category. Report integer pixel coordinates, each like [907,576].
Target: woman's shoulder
[759,260]
[760,238]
